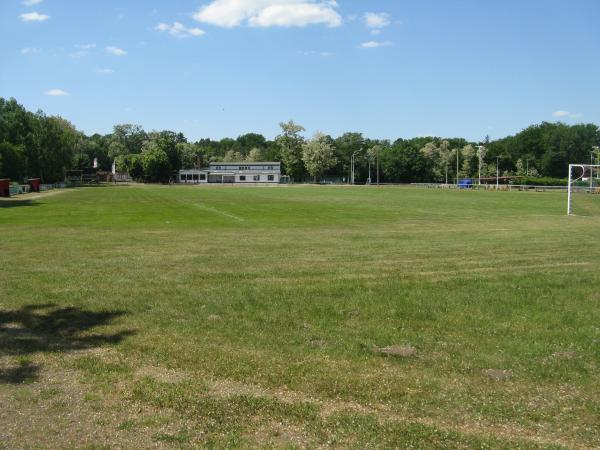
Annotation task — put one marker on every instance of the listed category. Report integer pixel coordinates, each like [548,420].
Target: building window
[271,177]
[195,177]
[182,177]
[242,177]
[202,176]
[189,177]
[270,167]
[256,177]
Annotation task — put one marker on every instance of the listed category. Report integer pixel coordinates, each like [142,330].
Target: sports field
[140,316]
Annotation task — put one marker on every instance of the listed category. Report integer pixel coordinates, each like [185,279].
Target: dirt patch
[58,411]
[401,351]
[317,343]
[282,435]
[162,374]
[498,374]
[213,318]
[565,355]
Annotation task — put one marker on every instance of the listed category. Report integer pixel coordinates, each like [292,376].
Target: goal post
[581,179]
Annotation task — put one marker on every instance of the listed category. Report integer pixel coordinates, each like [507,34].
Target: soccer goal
[583,179]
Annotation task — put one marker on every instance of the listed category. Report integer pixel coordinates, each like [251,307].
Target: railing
[508,187]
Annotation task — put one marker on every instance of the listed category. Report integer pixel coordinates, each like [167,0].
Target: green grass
[250,316]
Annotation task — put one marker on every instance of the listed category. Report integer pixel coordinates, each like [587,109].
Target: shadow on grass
[17,203]
[45,328]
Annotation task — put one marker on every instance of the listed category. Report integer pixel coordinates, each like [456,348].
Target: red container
[5,187]
[34,184]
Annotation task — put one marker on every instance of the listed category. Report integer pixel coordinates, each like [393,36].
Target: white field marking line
[499,269]
[217,211]
[211,209]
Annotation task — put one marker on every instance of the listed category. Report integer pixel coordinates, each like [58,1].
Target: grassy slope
[254,312]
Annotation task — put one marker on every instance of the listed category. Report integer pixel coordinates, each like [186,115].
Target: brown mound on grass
[497,374]
[402,351]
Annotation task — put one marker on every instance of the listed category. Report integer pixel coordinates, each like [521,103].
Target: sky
[386,68]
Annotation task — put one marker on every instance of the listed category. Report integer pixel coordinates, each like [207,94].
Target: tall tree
[290,142]
[318,155]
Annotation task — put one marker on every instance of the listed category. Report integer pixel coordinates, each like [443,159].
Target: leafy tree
[233,156]
[290,143]
[189,155]
[132,165]
[318,155]
[469,161]
[13,161]
[255,155]
[155,162]
[405,163]
[247,142]
[126,139]
[168,142]
[345,146]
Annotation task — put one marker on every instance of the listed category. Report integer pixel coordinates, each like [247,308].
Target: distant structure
[229,172]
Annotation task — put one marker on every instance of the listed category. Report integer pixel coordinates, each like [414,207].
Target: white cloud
[375,44]
[377,20]
[29,50]
[269,13]
[56,93]
[560,114]
[116,51]
[34,17]
[84,50]
[105,71]
[32,2]
[179,30]
[314,53]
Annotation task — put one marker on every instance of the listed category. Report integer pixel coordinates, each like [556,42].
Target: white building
[227,172]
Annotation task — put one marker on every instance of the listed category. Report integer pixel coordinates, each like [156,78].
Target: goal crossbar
[583,168]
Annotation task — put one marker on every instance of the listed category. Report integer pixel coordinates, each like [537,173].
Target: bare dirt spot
[162,374]
[498,374]
[401,351]
[213,318]
[317,343]
[565,355]
[282,435]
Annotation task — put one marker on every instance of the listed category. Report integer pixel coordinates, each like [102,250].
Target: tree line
[37,145]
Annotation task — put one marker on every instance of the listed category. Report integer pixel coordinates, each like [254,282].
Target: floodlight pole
[352,159]
[457,167]
[497,172]
[479,161]
[569,190]
[591,171]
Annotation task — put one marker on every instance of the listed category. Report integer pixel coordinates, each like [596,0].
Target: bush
[544,181]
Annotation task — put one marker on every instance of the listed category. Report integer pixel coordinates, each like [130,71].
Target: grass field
[140,316]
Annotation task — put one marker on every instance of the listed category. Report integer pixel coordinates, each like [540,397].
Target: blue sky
[387,68]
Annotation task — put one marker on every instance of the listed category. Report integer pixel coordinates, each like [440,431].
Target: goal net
[583,189]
